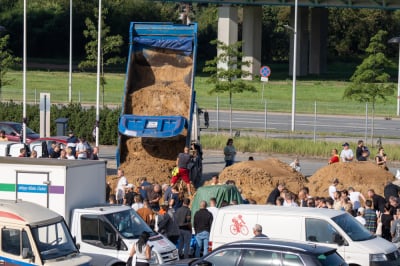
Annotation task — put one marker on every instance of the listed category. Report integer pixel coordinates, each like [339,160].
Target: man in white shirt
[347,154]
[355,198]
[121,185]
[332,188]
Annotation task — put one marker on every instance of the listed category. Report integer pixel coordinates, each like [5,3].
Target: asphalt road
[361,126]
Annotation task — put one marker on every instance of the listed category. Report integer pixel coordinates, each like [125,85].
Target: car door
[260,257]
[223,257]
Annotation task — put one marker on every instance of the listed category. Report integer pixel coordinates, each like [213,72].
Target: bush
[81,119]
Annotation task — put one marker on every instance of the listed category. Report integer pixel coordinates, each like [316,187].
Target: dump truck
[75,189]
[159,114]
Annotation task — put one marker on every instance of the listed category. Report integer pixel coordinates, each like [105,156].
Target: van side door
[322,232]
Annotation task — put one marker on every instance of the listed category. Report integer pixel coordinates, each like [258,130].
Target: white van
[327,227]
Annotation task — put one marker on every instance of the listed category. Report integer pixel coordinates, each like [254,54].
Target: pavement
[213,161]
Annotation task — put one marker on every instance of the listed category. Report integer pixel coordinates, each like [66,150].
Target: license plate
[152,124]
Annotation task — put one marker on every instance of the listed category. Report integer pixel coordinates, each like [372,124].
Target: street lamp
[294,30]
[397,40]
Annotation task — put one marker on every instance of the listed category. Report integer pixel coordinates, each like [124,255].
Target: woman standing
[142,250]
[229,152]
[380,158]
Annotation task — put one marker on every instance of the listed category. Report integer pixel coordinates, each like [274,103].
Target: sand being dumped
[158,85]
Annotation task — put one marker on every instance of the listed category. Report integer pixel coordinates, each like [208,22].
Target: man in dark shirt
[390,190]
[202,225]
[275,194]
[183,218]
[129,195]
[182,163]
[154,195]
[377,200]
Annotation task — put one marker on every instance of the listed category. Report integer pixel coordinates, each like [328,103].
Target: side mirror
[338,239]
[206,119]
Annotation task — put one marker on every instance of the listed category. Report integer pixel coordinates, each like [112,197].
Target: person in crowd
[329,202]
[393,204]
[142,249]
[355,197]
[70,154]
[395,229]
[362,151]
[332,188]
[108,190]
[310,203]
[229,153]
[295,165]
[377,200]
[63,155]
[346,155]
[154,194]
[72,141]
[3,136]
[213,208]
[386,219]
[182,163]
[278,202]
[334,157]
[147,213]
[370,217]
[121,185]
[391,189]
[33,154]
[303,196]
[167,191]
[143,183]
[137,202]
[337,200]
[168,225]
[202,222]
[81,149]
[22,152]
[183,218]
[129,195]
[322,203]
[290,200]
[257,231]
[56,152]
[112,199]
[381,158]
[195,168]
[215,180]
[95,154]
[275,194]
[360,216]
[176,197]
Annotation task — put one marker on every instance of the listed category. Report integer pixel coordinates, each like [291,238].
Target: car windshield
[18,128]
[54,240]
[352,227]
[128,223]
[331,259]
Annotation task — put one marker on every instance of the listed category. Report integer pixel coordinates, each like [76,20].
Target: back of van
[320,226]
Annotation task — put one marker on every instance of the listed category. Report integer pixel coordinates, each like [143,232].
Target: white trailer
[76,190]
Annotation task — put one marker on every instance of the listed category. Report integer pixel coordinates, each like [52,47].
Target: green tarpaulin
[222,193]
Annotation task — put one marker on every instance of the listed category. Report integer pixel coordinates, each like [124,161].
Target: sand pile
[258,178]
[360,175]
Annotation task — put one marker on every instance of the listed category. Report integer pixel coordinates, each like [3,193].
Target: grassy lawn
[275,95]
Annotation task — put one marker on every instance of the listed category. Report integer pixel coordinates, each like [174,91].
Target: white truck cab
[111,230]
[34,235]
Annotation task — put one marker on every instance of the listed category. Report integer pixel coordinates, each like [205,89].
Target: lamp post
[397,40]
[294,67]
[70,54]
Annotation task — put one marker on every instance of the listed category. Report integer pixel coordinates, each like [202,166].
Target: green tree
[227,72]
[7,60]
[110,47]
[370,81]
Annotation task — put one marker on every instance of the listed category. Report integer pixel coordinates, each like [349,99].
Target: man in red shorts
[182,162]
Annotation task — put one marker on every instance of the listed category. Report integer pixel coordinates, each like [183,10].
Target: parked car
[13,132]
[264,251]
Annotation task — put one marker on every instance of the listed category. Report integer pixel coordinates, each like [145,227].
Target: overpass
[312,27]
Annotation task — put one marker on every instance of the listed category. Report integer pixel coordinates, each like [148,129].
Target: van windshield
[352,227]
[128,223]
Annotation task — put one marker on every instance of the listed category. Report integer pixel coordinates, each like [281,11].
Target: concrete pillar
[302,42]
[318,40]
[227,26]
[251,36]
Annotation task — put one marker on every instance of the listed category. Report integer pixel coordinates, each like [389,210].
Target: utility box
[61,126]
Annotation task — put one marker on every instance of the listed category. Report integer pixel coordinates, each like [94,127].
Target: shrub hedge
[81,119]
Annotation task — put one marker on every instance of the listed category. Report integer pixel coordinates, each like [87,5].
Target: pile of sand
[258,178]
